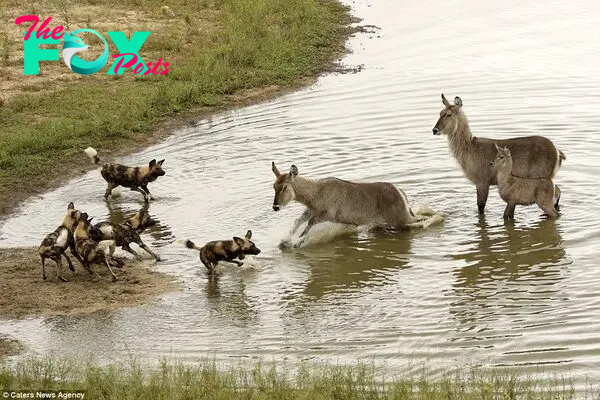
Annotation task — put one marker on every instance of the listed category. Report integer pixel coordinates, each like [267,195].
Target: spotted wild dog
[126,232]
[93,252]
[225,250]
[54,244]
[134,178]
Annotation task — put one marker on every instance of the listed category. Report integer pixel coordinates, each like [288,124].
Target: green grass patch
[249,44]
[205,380]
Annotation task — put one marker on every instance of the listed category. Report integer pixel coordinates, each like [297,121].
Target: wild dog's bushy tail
[190,245]
[93,155]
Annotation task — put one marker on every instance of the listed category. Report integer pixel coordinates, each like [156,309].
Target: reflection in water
[227,299]
[348,265]
[508,267]
[119,213]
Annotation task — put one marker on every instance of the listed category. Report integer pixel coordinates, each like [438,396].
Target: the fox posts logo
[128,56]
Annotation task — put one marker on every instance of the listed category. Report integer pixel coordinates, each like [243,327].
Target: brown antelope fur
[135,178]
[533,156]
[93,252]
[515,190]
[54,244]
[225,250]
[337,200]
[126,233]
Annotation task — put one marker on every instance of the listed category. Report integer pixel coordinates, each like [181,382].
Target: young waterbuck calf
[515,190]
[54,244]
[533,156]
[126,233]
[225,250]
[337,200]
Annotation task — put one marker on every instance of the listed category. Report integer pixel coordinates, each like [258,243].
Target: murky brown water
[469,290]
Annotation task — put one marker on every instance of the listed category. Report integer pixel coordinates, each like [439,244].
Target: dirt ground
[25,294]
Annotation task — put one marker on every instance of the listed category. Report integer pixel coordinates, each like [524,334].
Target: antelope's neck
[304,190]
[461,141]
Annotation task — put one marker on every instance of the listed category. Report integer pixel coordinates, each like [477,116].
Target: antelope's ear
[71,206]
[249,234]
[507,151]
[293,171]
[497,148]
[445,101]
[274,169]
[458,102]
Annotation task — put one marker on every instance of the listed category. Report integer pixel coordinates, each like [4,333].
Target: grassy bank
[207,381]
[221,53]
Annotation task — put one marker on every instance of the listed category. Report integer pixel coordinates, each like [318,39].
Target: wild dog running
[225,250]
[135,178]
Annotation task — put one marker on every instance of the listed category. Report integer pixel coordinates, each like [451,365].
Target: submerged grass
[215,48]
[205,380]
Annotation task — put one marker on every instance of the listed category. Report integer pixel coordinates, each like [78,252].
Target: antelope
[533,156]
[336,200]
[515,190]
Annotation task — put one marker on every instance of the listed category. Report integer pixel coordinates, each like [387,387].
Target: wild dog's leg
[43,268]
[145,189]
[207,263]
[300,220]
[147,249]
[136,189]
[109,190]
[73,251]
[482,195]
[92,270]
[239,264]
[509,211]
[71,267]
[58,261]
[107,263]
[130,250]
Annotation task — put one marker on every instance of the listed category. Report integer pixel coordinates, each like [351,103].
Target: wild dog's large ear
[152,163]
[458,102]
[293,171]
[249,234]
[239,241]
[274,169]
[161,162]
[83,216]
[71,206]
[445,101]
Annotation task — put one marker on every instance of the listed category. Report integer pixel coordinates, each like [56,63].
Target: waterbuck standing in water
[532,156]
[336,200]
[515,190]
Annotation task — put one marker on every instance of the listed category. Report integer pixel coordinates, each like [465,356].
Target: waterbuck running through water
[532,156]
[337,200]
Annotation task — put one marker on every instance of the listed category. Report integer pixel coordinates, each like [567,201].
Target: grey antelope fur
[533,156]
[337,200]
[515,190]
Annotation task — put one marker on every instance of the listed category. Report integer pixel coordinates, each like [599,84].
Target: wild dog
[331,199]
[225,250]
[93,252]
[134,178]
[515,190]
[533,156]
[54,244]
[126,233]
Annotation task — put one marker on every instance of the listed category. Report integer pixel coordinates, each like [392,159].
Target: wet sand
[25,294]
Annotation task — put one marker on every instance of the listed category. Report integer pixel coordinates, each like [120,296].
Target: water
[469,290]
